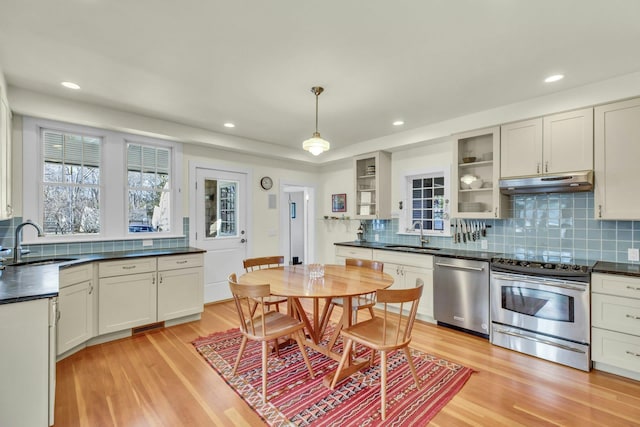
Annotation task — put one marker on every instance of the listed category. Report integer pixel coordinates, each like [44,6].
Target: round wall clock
[266,183]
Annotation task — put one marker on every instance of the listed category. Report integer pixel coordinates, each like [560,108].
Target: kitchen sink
[40,261]
[412,248]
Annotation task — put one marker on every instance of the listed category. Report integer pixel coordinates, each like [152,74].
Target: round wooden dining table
[339,281]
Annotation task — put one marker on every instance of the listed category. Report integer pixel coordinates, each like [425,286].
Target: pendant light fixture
[316,145]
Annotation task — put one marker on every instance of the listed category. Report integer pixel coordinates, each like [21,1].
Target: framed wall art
[338,203]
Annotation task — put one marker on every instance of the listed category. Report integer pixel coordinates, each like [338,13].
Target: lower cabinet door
[75,325]
[126,302]
[425,306]
[180,293]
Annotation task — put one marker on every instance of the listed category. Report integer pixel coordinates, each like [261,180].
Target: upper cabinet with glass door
[475,192]
[6,210]
[373,185]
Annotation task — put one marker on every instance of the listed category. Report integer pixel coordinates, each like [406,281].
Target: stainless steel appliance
[542,308]
[569,182]
[461,294]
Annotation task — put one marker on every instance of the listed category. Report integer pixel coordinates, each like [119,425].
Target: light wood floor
[158,379]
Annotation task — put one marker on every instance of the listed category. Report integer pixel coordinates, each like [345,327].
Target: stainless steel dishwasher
[461,294]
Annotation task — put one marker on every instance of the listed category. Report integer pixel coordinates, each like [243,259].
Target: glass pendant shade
[316,145]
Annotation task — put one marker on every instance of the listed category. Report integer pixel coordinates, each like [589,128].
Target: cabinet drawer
[351,252]
[613,348]
[403,258]
[128,266]
[615,313]
[71,275]
[179,261]
[613,284]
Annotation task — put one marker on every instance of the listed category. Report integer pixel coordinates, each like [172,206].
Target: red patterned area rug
[296,399]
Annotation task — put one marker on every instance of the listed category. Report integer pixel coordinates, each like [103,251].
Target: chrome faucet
[17,249]
[423,241]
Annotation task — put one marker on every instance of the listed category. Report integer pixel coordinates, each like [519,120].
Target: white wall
[265,222]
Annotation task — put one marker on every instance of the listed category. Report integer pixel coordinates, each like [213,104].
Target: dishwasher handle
[460,267]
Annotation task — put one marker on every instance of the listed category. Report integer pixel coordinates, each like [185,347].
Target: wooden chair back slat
[357,262]
[251,264]
[398,324]
[244,297]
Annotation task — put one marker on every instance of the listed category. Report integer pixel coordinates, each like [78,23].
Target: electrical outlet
[376,237]
[147,243]
[484,244]
[633,254]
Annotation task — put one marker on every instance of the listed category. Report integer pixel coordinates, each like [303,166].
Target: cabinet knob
[599,211]
[496,212]
[546,166]
[538,167]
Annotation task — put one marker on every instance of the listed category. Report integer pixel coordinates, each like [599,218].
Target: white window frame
[405,219]
[113,186]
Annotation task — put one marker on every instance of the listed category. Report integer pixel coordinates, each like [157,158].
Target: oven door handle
[459,267]
[541,282]
[547,342]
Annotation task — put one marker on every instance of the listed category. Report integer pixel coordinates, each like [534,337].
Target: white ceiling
[205,62]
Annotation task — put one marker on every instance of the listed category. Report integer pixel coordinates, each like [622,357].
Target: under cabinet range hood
[568,182]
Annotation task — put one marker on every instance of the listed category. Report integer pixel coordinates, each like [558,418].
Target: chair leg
[345,356]
[298,337]
[264,371]
[243,345]
[407,354]
[383,384]
[371,312]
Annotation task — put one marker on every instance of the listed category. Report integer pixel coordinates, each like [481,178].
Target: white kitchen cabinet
[617,150]
[6,210]
[405,268]
[27,363]
[521,148]
[373,185]
[552,144]
[180,286]
[126,300]
[344,252]
[615,321]
[486,201]
[76,307]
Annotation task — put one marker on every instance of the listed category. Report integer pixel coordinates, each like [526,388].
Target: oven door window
[538,303]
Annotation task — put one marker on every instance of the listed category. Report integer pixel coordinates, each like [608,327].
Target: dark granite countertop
[28,282]
[616,268]
[450,253]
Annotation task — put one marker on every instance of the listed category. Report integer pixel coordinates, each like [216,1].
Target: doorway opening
[297,230]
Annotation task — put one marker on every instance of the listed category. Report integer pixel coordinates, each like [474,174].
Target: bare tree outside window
[148,176]
[71,183]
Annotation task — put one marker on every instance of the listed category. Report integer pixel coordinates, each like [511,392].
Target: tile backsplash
[7,238]
[553,224]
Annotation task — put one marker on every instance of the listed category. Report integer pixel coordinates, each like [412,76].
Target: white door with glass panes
[220,227]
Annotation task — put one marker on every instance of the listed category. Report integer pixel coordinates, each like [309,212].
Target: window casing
[107,179]
[426,203]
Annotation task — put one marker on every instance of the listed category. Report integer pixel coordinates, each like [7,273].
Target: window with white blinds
[71,183]
[149,188]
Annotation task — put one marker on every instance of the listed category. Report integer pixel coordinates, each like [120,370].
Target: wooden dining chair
[390,332]
[366,301]
[264,327]
[251,264]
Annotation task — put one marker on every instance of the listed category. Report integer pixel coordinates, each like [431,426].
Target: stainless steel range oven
[542,309]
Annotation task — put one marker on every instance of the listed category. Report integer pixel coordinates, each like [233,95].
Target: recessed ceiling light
[70,85]
[398,123]
[229,125]
[554,78]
